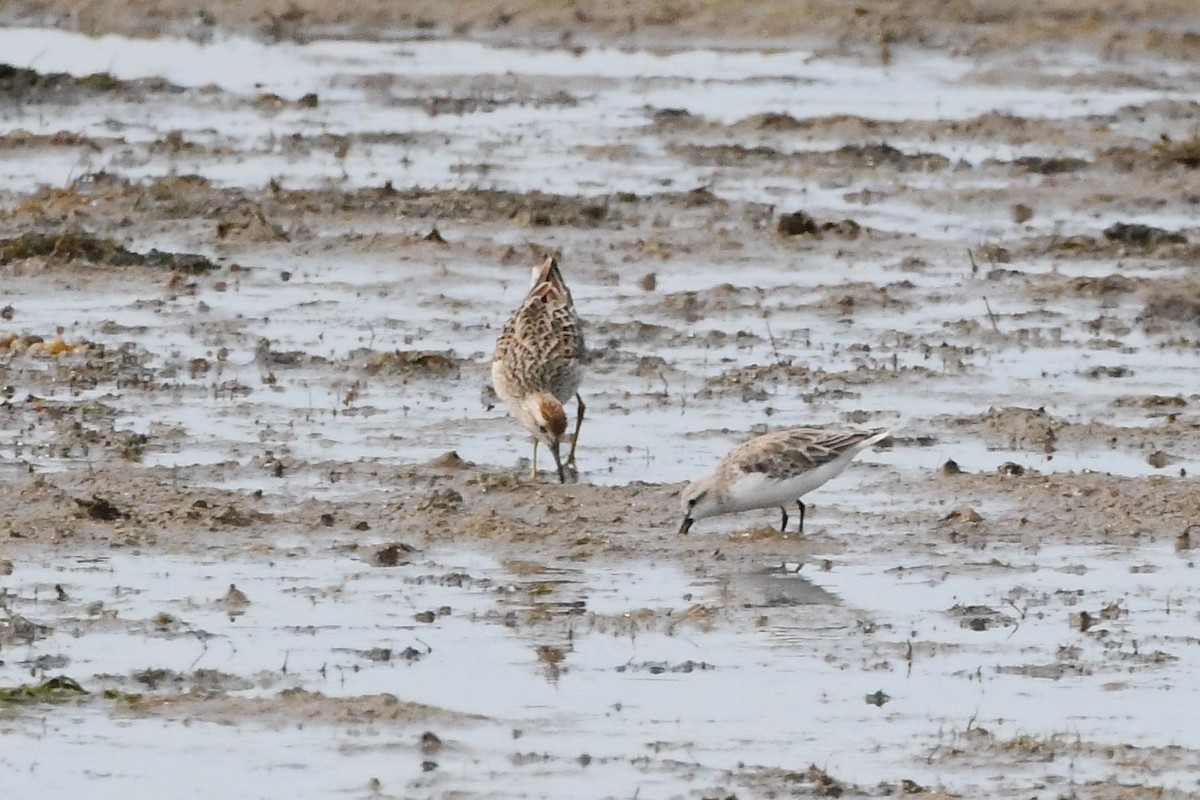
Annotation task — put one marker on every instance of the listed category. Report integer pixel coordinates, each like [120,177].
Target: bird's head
[549,425]
[698,500]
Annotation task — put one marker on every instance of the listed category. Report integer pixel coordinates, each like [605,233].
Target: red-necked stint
[775,469]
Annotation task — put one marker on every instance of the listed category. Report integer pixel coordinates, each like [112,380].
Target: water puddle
[619,89]
[632,671]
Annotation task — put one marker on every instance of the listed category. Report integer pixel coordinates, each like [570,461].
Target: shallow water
[652,697]
[305,415]
[530,138]
[781,683]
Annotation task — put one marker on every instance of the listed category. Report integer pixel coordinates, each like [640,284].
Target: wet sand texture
[260,511]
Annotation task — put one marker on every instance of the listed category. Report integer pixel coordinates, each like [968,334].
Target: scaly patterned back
[542,347]
[784,454]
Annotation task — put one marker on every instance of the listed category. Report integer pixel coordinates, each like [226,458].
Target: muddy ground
[209,369]
[1126,26]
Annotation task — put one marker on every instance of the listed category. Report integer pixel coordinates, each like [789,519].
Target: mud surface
[259,507]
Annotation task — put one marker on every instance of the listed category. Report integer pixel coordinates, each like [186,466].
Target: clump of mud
[416,363]
[800,223]
[1179,302]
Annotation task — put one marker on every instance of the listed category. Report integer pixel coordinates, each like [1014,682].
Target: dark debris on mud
[80,246]
[238,210]
[800,223]
[850,156]
[20,84]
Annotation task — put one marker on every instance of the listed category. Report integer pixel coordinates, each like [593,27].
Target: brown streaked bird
[539,364]
[775,469]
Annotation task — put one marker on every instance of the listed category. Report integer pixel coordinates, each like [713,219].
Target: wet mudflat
[260,506]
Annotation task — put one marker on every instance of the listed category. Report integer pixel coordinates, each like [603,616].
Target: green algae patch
[122,697]
[53,690]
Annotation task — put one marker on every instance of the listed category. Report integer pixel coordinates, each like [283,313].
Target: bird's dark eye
[692,502]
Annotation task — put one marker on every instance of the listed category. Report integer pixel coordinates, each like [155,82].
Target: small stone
[391,555]
[1184,540]
[797,223]
[235,597]
[1159,459]
[430,743]
[448,460]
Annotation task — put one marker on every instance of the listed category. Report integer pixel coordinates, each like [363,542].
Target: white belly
[756,490]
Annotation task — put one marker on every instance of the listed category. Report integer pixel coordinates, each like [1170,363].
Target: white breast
[756,490]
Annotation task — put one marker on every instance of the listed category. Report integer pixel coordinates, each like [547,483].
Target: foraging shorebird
[539,364]
[775,469]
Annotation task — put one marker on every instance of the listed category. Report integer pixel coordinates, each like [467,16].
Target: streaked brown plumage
[539,361]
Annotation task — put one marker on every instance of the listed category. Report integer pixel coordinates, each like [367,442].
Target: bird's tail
[548,273]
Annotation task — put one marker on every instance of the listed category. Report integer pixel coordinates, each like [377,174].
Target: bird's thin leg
[783,524]
[801,528]
[533,467]
[578,424]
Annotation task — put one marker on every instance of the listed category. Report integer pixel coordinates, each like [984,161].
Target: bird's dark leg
[801,528]
[580,408]
[558,464]
[783,524]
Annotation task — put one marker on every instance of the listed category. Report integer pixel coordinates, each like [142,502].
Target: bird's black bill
[562,473]
[687,525]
